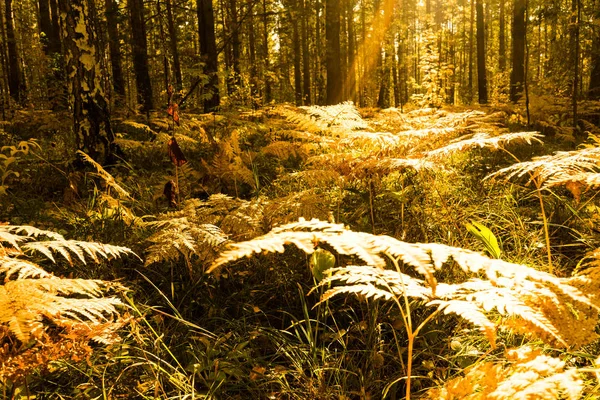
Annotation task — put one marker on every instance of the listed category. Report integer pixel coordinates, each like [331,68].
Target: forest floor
[255,327]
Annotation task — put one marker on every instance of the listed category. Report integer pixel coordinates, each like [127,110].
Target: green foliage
[486,236]
[9,156]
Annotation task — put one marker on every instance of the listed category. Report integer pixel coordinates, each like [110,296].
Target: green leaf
[486,236]
[320,261]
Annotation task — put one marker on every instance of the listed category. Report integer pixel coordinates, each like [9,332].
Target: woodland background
[299,199]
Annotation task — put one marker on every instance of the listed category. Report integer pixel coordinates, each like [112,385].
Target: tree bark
[517,76]
[305,53]
[502,38]
[15,83]
[112,13]
[481,78]
[297,54]
[351,76]
[91,119]
[333,54]
[265,49]
[140,54]
[174,49]
[208,52]
[594,89]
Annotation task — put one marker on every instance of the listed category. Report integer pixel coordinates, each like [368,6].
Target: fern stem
[411,340]
[545,223]
[177,186]
[371,206]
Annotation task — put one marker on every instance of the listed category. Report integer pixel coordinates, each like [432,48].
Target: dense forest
[300,199]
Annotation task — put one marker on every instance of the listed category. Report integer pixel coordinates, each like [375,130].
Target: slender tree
[140,54]
[305,16]
[91,119]
[112,18]
[502,38]
[333,52]
[575,19]
[173,44]
[517,76]
[594,88]
[15,81]
[208,52]
[481,77]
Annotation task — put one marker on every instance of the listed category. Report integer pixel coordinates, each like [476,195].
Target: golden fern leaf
[311,177]
[541,303]
[30,231]
[10,266]
[344,115]
[284,150]
[80,249]
[373,142]
[184,239]
[306,204]
[30,296]
[558,164]
[24,302]
[483,140]
[529,376]
[105,176]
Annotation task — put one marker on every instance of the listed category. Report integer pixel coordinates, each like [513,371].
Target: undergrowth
[303,253]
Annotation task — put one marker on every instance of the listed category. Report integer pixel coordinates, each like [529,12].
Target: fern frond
[93,250]
[24,302]
[470,312]
[370,142]
[529,375]
[184,239]
[306,204]
[24,269]
[105,176]
[561,163]
[528,300]
[483,140]
[30,231]
[284,150]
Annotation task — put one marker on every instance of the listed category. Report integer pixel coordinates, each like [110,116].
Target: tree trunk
[297,54]
[472,22]
[234,29]
[208,52]
[383,99]
[174,49]
[305,54]
[112,13]
[333,54]
[15,84]
[91,119]
[594,89]
[502,39]
[517,76]
[351,76]
[140,54]
[45,24]
[481,78]
[575,19]
[51,37]
[265,48]
[252,53]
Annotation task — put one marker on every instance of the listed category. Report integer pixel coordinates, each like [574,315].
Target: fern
[553,169]
[31,298]
[200,229]
[108,179]
[483,140]
[527,300]
[529,375]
